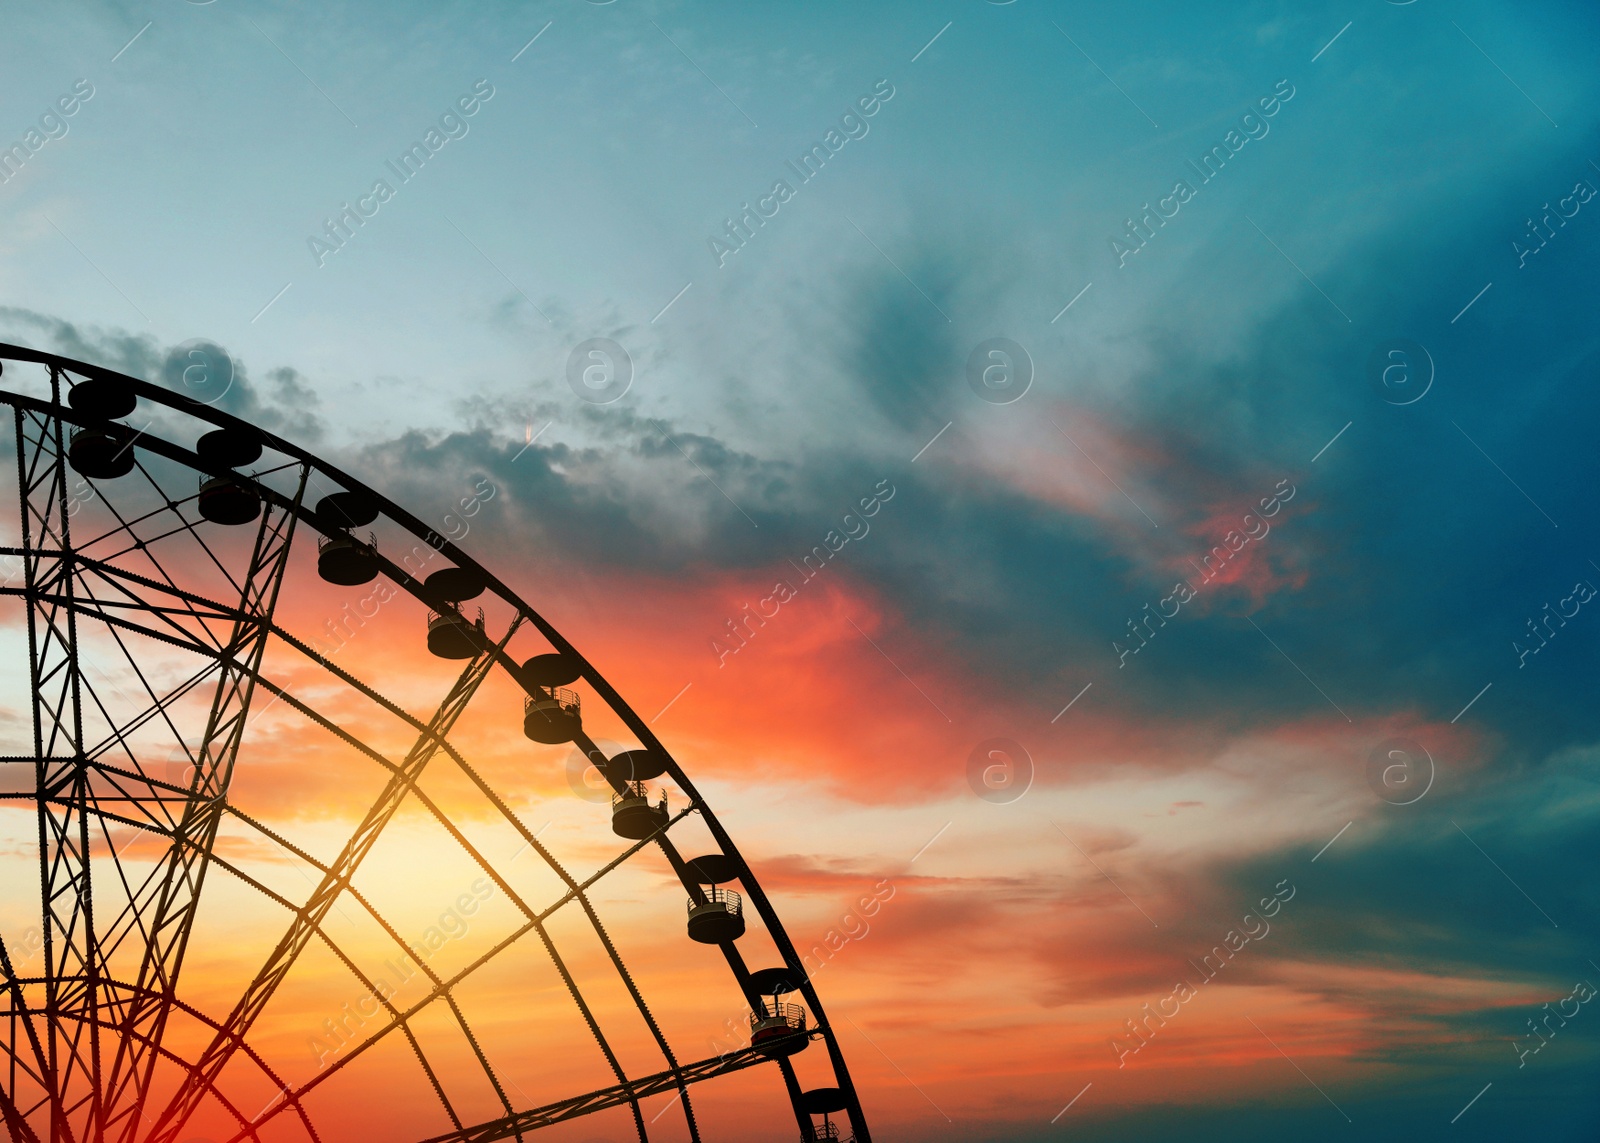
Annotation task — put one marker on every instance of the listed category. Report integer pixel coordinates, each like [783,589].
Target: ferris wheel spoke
[604,1098]
[300,914]
[131,605]
[477,1051]
[401,1021]
[487,867]
[276,838]
[178,637]
[632,1097]
[537,925]
[160,706]
[15,1060]
[111,938]
[15,1123]
[107,568]
[123,527]
[50,798]
[118,987]
[323,868]
[433,1077]
[443,988]
[119,730]
[186,526]
[71,982]
[398,1019]
[202,609]
[184,870]
[372,990]
[145,543]
[21,1015]
[644,1010]
[335,880]
[56,672]
[577,888]
[167,1053]
[126,526]
[575,891]
[660,835]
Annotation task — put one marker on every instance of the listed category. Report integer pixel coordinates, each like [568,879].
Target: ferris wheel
[194,941]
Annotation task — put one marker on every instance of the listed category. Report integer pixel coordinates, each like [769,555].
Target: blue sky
[1171,392]
[606,160]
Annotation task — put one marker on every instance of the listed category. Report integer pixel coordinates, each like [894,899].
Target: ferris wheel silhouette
[181,910]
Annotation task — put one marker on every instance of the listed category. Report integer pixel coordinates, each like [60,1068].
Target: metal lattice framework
[154,622]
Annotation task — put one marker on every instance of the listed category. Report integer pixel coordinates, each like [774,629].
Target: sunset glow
[1081,520]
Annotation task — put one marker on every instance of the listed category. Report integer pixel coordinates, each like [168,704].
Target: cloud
[287,410]
[1017,567]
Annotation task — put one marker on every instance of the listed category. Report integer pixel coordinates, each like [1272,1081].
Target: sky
[1170,525]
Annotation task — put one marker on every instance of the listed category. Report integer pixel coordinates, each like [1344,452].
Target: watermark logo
[1211,565]
[739,631]
[203,369]
[1582,993]
[1401,371]
[1140,230]
[1540,232]
[1140,1030]
[451,125]
[599,370]
[343,1029]
[853,926]
[1552,621]
[999,370]
[585,779]
[999,770]
[181,769]
[1400,771]
[51,125]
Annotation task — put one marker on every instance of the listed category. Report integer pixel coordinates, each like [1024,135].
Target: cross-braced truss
[145,987]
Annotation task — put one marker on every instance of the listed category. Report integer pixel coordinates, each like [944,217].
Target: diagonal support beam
[71,1068]
[15,1123]
[614,1096]
[188,859]
[303,927]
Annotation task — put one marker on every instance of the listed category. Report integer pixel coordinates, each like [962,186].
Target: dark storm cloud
[898,351]
[134,355]
[286,409]
[1432,549]
[1423,561]
[1427,551]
